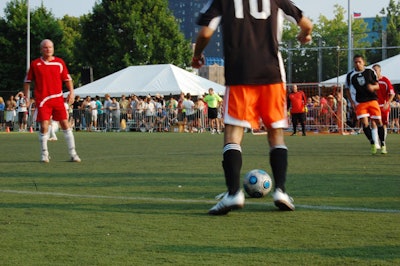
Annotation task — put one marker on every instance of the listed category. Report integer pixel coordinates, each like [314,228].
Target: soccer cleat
[283,201]
[373,149]
[45,158]
[294,134]
[228,203]
[383,150]
[75,159]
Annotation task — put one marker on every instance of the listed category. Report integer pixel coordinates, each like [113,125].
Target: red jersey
[48,78]
[297,101]
[385,90]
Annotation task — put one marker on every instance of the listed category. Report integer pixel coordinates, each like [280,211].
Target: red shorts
[385,116]
[368,109]
[52,108]
[246,105]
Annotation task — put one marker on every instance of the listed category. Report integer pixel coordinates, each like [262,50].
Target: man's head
[294,88]
[47,48]
[377,69]
[359,62]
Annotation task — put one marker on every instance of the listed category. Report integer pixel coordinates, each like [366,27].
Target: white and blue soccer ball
[257,183]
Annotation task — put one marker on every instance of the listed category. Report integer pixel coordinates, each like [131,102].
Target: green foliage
[131,33]
[328,50]
[14,41]
[141,199]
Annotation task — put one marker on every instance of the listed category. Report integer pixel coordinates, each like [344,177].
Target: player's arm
[71,95]
[306,27]
[202,40]
[27,87]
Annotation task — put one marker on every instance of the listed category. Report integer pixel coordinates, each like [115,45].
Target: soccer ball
[257,183]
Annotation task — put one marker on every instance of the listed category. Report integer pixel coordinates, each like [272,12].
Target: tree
[131,32]
[14,42]
[328,51]
[391,34]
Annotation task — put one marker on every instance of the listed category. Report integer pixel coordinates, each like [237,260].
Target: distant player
[48,73]
[363,84]
[385,95]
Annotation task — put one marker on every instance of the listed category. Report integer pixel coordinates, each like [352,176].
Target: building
[186,13]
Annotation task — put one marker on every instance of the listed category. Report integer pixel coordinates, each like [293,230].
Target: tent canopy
[390,69]
[162,79]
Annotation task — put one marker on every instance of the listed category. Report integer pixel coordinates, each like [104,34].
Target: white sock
[43,138]
[69,138]
[375,137]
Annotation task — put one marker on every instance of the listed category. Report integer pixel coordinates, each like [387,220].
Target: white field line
[152,199]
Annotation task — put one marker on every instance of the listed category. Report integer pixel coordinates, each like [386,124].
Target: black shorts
[212,113]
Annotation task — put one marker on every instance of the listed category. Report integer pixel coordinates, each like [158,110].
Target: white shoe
[228,203]
[53,139]
[283,201]
[75,159]
[45,158]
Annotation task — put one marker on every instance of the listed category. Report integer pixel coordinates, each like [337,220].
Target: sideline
[311,207]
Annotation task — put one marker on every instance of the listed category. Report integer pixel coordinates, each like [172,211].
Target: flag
[356,14]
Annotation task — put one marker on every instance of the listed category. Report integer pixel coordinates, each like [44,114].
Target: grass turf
[142,199]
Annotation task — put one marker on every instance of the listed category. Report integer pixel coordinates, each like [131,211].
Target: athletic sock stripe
[232,146]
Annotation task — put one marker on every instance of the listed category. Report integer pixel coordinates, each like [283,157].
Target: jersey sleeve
[65,76]
[210,15]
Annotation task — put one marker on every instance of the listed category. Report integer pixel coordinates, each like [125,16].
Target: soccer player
[363,84]
[385,95]
[255,84]
[297,104]
[48,73]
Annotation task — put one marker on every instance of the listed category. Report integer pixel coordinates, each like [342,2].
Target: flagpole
[28,36]
[350,39]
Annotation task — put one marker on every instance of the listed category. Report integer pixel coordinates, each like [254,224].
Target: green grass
[142,199]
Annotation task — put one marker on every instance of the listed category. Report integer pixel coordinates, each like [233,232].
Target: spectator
[22,109]
[161,116]
[87,114]
[297,104]
[10,113]
[93,114]
[107,111]
[188,105]
[100,113]
[115,114]
[76,113]
[2,109]
[213,100]
[123,105]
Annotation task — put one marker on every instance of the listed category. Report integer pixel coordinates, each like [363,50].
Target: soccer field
[142,199]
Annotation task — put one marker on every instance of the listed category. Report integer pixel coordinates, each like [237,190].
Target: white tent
[163,79]
[390,69]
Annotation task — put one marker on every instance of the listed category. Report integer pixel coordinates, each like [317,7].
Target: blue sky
[312,8]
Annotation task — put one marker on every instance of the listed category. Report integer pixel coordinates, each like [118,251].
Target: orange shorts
[247,105]
[368,109]
[52,108]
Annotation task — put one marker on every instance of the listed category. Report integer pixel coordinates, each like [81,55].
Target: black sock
[368,134]
[232,165]
[381,134]
[278,159]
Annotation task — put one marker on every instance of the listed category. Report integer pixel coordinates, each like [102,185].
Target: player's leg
[43,139]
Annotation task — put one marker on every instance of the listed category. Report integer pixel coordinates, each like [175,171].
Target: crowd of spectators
[174,113]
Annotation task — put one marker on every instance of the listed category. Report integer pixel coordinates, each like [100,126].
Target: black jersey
[251,34]
[357,82]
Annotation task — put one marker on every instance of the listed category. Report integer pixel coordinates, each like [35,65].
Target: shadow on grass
[362,253]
